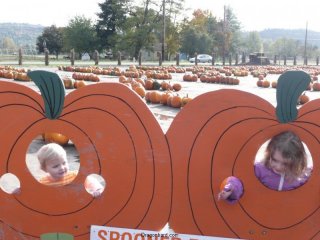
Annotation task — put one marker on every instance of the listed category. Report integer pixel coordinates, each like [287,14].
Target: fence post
[119,58]
[140,58]
[243,58]
[72,57]
[20,56]
[230,59]
[275,59]
[96,57]
[294,60]
[196,58]
[237,59]
[284,60]
[46,56]
[160,58]
[317,60]
[177,59]
[305,62]
[213,58]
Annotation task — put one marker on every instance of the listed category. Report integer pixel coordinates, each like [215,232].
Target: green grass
[39,61]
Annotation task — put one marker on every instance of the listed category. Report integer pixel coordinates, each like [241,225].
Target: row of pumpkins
[158,93]
[211,77]
[167,98]
[149,84]
[132,71]
[264,83]
[19,74]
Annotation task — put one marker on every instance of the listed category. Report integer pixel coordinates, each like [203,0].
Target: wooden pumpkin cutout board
[117,137]
[223,141]
[153,178]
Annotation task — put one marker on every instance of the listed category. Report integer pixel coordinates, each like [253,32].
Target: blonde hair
[49,152]
[291,147]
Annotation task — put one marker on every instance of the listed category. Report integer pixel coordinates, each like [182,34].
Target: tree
[199,34]
[172,39]
[169,31]
[228,34]
[140,29]
[8,43]
[80,35]
[52,39]
[146,25]
[286,47]
[110,21]
[252,42]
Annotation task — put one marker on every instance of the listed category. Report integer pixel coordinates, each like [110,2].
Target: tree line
[129,27]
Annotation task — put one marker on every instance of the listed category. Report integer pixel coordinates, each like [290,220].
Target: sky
[254,15]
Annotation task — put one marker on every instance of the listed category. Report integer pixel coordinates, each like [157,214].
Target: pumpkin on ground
[303,99]
[58,138]
[176,87]
[176,101]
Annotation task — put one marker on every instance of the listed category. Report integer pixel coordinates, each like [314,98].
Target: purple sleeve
[258,167]
[237,189]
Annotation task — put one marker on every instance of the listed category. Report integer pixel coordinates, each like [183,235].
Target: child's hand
[16,191]
[97,193]
[224,195]
[226,192]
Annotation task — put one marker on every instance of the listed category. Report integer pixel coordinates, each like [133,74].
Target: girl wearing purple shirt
[284,167]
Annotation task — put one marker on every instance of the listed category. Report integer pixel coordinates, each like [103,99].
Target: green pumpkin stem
[290,86]
[52,91]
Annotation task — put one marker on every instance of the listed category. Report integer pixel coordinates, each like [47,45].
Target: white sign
[85,57]
[111,233]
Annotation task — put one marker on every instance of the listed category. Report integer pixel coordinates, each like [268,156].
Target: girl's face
[57,167]
[277,163]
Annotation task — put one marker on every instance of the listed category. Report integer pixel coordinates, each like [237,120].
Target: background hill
[295,34]
[26,34]
[21,33]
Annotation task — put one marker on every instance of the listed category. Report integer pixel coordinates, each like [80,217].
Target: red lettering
[123,236]
[164,238]
[114,235]
[175,238]
[102,234]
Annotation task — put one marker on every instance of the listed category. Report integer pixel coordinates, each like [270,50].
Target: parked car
[202,58]
[109,55]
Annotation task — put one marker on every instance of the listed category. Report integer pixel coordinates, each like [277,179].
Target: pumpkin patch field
[162,139]
[181,84]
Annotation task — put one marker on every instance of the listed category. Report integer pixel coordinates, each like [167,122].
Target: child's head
[285,153]
[53,160]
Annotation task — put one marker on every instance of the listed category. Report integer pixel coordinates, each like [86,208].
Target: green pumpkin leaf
[290,86]
[56,236]
[52,91]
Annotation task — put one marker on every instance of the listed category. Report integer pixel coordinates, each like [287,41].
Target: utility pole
[305,46]
[224,36]
[163,29]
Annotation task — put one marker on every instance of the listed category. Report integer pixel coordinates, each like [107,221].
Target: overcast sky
[252,14]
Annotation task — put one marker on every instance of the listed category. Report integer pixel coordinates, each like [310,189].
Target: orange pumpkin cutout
[117,137]
[223,141]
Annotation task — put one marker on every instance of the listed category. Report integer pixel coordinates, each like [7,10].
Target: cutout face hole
[280,173]
[10,183]
[53,159]
[95,184]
